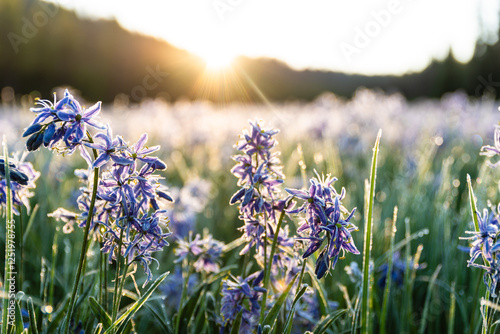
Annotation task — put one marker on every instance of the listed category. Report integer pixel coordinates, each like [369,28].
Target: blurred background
[248,51]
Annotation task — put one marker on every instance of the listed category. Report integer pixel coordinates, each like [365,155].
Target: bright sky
[361,36]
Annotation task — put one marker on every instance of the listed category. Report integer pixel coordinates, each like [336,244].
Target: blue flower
[482,240]
[110,149]
[491,151]
[234,292]
[324,222]
[62,120]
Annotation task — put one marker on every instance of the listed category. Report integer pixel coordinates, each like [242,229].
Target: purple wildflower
[324,213]
[22,179]
[491,151]
[62,120]
[128,197]
[234,292]
[205,253]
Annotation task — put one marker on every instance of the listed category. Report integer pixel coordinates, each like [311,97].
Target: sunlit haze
[369,37]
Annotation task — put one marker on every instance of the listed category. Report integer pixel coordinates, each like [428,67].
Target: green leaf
[365,295]
[58,316]
[288,324]
[19,318]
[98,328]
[200,317]
[31,311]
[122,322]
[324,323]
[188,309]
[166,326]
[99,313]
[273,313]
[237,323]
[428,299]
[210,312]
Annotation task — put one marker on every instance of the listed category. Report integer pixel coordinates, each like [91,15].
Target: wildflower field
[373,215]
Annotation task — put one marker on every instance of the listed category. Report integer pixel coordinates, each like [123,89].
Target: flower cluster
[22,179]
[261,207]
[485,243]
[127,206]
[235,292]
[205,252]
[259,173]
[324,222]
[62,122]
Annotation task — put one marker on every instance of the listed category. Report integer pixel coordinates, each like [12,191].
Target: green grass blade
[318,288]
[451,319]
[8,221]
[58,316]
[99,312]
[365,312]
[187,310]
[165,324]
[31,311]
[324,323]
[428,299]
[19,318]
[237,323]
[388,280]
[288,324]
[472,201]
[30,222]
[98,329]
[273,313]
[121,323]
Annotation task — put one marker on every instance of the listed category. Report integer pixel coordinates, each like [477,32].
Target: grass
[425,177]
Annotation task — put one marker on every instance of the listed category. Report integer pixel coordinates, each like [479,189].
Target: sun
[217,61]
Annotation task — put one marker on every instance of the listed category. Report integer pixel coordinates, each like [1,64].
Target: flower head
[326,222]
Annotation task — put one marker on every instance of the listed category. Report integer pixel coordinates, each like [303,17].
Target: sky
[360,36]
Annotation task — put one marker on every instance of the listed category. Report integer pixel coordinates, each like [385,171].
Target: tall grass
[426,181]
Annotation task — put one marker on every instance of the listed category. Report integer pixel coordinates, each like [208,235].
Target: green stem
[473,208]
[388,280]
[122,283]
[365,311]
[8,220]
[184,291]
[81,262]
[119,259]
[105,302]
[53,268]
[101,279]
[266,272]
[245,264]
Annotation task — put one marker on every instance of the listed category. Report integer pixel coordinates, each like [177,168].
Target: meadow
[427,149]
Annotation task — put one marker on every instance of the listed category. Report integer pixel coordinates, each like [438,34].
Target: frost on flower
[61,124]
[491,151]
[127,218]
[484,245]
[22,179]
[326,223]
